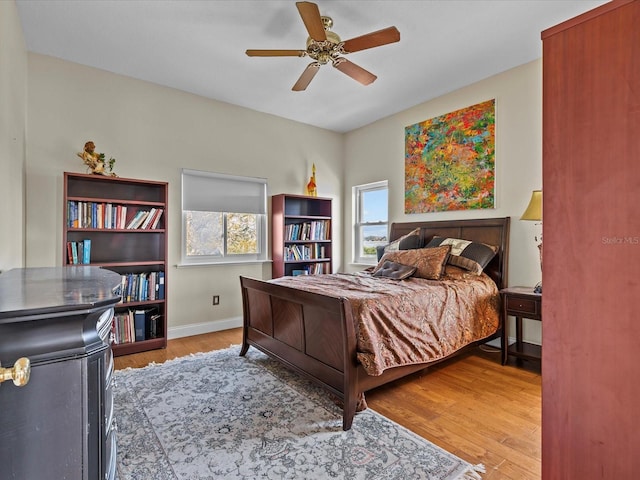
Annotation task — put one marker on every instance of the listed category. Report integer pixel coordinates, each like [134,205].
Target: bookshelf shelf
[98,216]
[301,235]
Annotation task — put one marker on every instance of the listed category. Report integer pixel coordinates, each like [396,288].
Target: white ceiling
[198,46]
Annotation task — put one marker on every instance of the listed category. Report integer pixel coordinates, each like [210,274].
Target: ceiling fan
[324,46]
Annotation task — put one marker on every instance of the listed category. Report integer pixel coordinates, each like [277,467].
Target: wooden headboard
[492,231]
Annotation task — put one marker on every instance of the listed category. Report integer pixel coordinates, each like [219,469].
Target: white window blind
[217,192]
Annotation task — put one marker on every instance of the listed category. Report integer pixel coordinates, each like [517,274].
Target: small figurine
[312,190]
[96,161]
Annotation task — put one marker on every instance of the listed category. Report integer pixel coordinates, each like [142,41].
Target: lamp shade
[534,209]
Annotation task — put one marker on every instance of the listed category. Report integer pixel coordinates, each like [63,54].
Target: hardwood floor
[471,405]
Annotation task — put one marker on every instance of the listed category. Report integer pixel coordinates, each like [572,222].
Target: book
[156,220]
[137,219]
[69,254]
[154,328]
[123,289]
[160,295]
[129,287]
[94,215]
[108,215]
[133,220]
[74,253]
[86,251]
[142,287]
[139,319]
[71,212]
[131,331]
[114,329]
[123,327]
[148,218]
[100,216]
[121,214]
[151,291]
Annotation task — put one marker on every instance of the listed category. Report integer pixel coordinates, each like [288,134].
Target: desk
[520,302]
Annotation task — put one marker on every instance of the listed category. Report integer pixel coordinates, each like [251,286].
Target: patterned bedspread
[411,321]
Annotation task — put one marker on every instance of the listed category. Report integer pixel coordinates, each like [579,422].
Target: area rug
[221,416]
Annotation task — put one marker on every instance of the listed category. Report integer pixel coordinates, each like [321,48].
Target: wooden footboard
[310,333]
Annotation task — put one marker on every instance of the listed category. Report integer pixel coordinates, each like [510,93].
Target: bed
[316,330]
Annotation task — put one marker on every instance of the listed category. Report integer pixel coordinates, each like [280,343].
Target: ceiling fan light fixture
[332,37]
[326,50]
[324,46]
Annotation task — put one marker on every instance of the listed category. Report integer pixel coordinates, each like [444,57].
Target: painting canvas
[450,161]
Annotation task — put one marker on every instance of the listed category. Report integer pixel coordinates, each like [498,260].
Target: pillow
[406,242]
[396,271]
[472,256]
[429,262]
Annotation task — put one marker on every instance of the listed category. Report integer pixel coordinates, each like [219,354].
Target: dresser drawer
[524,306]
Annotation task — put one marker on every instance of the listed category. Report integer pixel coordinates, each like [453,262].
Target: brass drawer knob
[19,373]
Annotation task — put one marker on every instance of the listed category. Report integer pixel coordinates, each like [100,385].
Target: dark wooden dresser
[59,424]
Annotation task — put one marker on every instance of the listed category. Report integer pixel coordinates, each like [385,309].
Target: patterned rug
[221,416]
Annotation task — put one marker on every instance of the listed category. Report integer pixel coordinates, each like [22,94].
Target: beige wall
[376,152]
[13,98]
[153,132]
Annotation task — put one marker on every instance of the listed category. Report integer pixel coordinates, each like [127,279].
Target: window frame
[359,224]
[215,180]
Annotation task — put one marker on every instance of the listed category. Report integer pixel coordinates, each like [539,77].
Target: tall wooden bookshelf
[301,235]
[98,213]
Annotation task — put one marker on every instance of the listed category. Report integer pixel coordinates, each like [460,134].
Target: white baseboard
[205,327]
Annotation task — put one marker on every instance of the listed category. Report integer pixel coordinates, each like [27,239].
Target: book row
[315,230]
[313,269]
[79,253]
[110,216]
[136,326]
[142,287]
[309,251]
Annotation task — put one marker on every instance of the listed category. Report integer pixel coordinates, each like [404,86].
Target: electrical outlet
[216,299]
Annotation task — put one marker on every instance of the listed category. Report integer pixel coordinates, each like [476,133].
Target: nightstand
[520,302]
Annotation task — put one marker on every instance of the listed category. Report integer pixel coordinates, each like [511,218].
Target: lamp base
[538,288]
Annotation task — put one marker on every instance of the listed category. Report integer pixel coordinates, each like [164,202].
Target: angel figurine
[96,161]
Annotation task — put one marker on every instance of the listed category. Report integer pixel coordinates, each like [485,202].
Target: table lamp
[534,213]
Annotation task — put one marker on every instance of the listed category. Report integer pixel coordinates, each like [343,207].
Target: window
[371,226]
[223,218]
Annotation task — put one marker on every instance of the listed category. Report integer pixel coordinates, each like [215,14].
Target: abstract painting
[450,161]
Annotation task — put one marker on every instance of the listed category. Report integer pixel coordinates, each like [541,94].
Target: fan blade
[354,71]
[311,17]
[276,53]
[373,39]
[306,77]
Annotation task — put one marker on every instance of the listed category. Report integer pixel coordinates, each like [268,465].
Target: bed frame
[314,334]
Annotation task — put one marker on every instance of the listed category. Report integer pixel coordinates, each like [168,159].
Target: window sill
[222,264]
[362,264]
